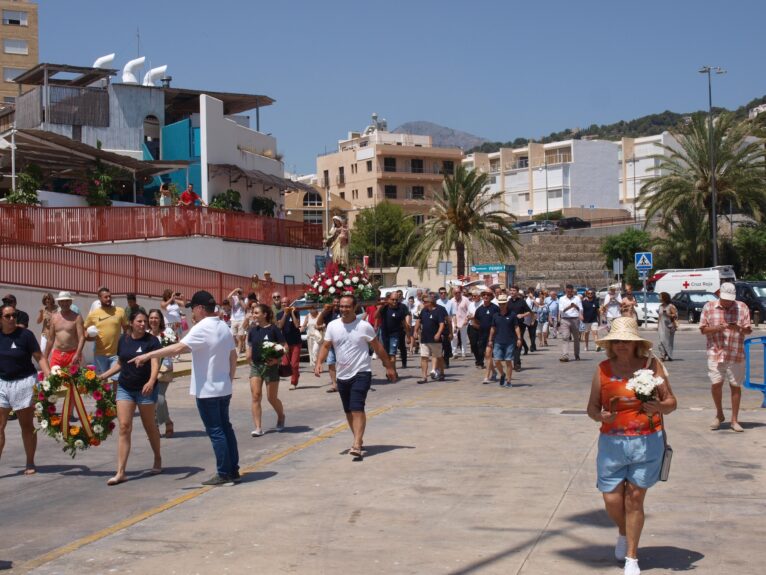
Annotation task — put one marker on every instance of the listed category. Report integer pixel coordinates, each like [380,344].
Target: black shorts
[353,391]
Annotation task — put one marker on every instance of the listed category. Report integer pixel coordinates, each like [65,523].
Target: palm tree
[684,240]
[463,217]
[683,185]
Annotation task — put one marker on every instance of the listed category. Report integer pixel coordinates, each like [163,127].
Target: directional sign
[643,274]
[643,260]
[444,268]
[487,268]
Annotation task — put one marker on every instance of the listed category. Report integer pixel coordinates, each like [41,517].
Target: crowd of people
[493,327]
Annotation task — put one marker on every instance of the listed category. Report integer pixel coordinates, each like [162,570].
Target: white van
[704,279]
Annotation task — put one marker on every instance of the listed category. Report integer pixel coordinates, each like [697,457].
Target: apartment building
[540,178]
[637,164]
[19,35]
[376,165]
[315,205]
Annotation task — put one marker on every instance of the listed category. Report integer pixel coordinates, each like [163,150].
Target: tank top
[630,420]
[173,313]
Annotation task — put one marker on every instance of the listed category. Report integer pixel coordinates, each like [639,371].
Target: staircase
[553,260]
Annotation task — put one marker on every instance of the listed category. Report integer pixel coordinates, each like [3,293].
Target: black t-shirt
[505,327]
[16,349]
[134,378]
[518,306]
[259,334]
[22,319]
[290,331]
[393,319]
[329,315]
[484,314]
[589,310]
[430,320]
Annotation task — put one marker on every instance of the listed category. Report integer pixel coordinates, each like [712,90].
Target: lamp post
[633,161]
[713,195]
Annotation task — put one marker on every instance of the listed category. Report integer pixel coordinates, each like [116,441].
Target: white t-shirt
[237,309]
[448,305]
[351,344]
[612,305]
[211,343]
[173,313]
[565,302]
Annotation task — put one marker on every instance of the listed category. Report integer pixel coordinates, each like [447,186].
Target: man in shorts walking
[504,340]
[67,335]
[430,327]
[726,322]
[351,339]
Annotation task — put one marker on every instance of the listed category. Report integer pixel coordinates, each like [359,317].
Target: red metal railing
[58,268]
[87,225]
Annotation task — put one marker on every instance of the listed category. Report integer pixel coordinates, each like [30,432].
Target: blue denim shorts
[104,363]
[331,357]
[136,396]
[637,458]
[503,351]
[393,344]
[353,391]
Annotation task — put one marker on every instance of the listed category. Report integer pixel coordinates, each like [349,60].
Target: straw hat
[624,329]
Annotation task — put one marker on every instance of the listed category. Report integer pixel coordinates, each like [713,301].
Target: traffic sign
[643,260]
[487,268]
[643,275]
[444,268]
[529,212]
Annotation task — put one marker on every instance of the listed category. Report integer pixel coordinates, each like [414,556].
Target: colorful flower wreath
[336,281]
[68,385]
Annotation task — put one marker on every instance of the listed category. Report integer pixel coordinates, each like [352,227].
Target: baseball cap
[64,295]
[728,292]
[201,297]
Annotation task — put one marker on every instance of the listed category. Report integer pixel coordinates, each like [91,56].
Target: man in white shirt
[612,305]
[214,363]
[460,306]
[351,339]
[570,312]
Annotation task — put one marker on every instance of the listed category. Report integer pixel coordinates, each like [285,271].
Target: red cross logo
[686,285]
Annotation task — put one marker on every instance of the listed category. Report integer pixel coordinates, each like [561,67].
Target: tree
[625,245]
[228,200]
[750,245]
[684,240]
[463,215]
[683,186]
[382,233]
[27,183]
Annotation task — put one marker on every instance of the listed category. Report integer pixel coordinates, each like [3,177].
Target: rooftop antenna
[138,41]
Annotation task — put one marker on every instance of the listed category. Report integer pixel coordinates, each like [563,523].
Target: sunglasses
[276,297]
[9,316]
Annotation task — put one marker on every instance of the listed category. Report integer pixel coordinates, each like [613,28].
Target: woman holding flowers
[17,380]
[264,351]
[166,336]
[630,392]
[136,386]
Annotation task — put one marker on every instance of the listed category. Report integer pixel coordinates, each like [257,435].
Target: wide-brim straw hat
[623,329]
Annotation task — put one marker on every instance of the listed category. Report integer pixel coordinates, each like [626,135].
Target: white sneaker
[256,433]
[621,548]
[631,566]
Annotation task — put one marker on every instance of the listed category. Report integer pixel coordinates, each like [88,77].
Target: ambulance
[701,279]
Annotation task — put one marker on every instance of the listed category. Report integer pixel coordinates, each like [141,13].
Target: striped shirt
[727,345]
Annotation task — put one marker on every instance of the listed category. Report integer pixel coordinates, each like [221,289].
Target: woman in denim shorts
[631,445]
[136,386]
[264,372]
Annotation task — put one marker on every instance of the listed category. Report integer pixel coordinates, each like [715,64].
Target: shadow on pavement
[305,387]
[296,429]
[597,518]
[372,450]
[667,558]
[189,433]
[5,565]
[257,476]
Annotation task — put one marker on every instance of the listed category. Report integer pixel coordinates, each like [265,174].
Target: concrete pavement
[459,478]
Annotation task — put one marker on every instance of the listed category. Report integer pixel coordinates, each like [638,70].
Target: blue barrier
[749,382]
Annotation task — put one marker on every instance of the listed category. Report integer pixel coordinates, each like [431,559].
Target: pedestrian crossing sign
[643,260]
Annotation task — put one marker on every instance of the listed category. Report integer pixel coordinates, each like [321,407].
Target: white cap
[64,295]
[728,291]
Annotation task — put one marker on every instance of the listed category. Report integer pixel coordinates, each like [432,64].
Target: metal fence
[105,224]
[58,268]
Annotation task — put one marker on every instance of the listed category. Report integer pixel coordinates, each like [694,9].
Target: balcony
[431,173]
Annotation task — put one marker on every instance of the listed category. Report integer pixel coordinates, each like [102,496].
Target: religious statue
[337,241]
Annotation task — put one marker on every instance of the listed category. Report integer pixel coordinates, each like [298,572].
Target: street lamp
[713,195]
[633,161]
[545,164]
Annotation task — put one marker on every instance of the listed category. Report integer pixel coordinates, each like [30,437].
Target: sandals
[116,480]
[30,470]
[169,429]
[355,452]
[332,390]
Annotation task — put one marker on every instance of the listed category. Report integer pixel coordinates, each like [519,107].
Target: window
[390,192]
[11,46]
[15,18]
[9,100]
[326,179]
[353,168]
[448,167]
[342,195]
[369,165]
[312,199]
[419,220]
[354,194]
[312,216]
[418,192]
[10,73]
[554,194]
[341,176]
[524,197]
[369,192]
[389,164]
[416,166]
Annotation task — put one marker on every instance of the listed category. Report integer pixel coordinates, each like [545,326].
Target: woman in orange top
[631,445]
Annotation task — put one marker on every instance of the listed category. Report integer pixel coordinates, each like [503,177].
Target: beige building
[311,207]
[20,51]
[376,165]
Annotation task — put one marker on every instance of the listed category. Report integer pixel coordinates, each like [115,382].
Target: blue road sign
[487,268]
[643,260]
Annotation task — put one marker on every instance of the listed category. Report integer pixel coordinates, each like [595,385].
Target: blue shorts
[331,357]
[136,396]
[353,392]
[503,351]
[393,344]
[637,458]
[105,363]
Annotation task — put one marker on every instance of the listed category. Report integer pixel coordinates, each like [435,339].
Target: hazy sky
[497,69]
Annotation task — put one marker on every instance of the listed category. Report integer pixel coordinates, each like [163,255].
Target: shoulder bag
[667,452]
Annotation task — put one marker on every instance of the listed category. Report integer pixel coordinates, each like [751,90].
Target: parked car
[545,226]
[753,295]
[690,303]
[652,306]
[525,227]
[572,223]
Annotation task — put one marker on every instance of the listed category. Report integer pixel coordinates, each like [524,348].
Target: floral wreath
[70,384]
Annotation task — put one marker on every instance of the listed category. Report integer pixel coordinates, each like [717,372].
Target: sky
[499,69]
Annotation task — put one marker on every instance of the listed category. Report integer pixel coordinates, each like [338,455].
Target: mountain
[441,135]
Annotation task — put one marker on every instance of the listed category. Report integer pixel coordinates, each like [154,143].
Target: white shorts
[431,350]
[729,372]
[17,394]
[236,327]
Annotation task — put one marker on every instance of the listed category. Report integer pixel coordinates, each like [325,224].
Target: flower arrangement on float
[337,281]
[60,396]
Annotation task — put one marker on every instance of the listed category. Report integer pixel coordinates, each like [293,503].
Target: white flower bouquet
[168,337]
[644,384]
[271,351]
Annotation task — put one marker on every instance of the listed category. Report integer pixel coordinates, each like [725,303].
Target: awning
[67,158]
[83,75]
[260,177]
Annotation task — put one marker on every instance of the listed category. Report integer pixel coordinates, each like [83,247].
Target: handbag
[285,369]
[667,454]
